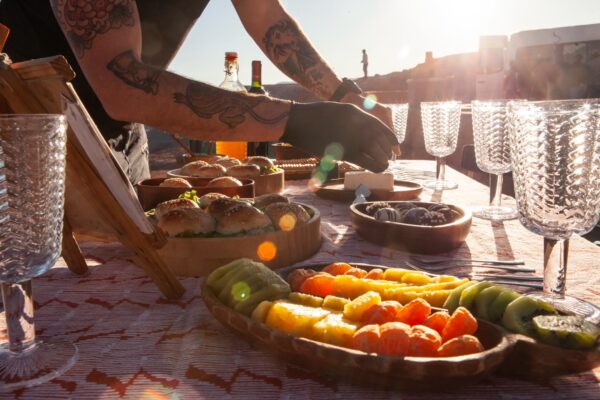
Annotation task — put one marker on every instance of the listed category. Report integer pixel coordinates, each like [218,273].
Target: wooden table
[133,343]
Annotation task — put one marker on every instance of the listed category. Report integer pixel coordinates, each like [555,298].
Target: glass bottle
[231,82]
[258,148]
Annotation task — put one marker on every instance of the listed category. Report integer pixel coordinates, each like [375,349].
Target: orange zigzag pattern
[215,380]
[120,387]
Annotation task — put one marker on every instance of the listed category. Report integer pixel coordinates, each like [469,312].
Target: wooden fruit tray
[508,353]
[412,238]
[263,184]
[403,190]
[200,256]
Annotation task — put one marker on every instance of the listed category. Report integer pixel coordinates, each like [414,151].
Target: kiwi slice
[467,297]
[497,307]
[484,300]
[519,314]
[566,331]
[451,302]
[215,278]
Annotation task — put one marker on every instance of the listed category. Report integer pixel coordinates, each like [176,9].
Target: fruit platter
[206,231]
[397,327]
[414,226]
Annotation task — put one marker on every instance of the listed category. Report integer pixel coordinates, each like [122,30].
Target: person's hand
[364,139]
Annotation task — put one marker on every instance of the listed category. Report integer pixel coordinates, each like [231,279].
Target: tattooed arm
[106,39]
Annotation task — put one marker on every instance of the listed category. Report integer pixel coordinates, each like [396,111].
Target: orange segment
[319,284]
[337,268]
[460,346]
[298,276]
[424,342]
[415,312]
[394,339]
[357,272]
[461,322]
[437,321]
[366,339]
[386,311]
[375,273]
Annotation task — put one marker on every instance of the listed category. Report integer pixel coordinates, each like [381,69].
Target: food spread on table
[411,213]
[225,166]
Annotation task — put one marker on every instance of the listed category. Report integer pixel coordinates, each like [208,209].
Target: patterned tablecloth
[135,344]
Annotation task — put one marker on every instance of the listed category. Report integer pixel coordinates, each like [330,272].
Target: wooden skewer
[4,31]
[183,145]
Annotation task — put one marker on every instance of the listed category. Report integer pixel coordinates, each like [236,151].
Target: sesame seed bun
[208,198]
[227,162]
[242,219]
[209,171]
[175,204]
[186,221]
[263,162]
[244,171]
[219,206]
[262,201]
[175,182]
[190,168]
[276,211]
[224,181]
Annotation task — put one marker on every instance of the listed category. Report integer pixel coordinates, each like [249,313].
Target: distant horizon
[396,33]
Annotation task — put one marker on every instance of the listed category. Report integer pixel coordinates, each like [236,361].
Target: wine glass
[399,118]
[32,185]
[492,153]
[441,120]
[555,149]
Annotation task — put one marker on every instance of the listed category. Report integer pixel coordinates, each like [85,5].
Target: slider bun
[269,198]
[227,162]
[209,171]
[263,162]
[175,182]
[219,206]
[244,171]
[189,169]
[208,198]
[224,181]
[240,219]
[276,211]
[175,204]
[186,220]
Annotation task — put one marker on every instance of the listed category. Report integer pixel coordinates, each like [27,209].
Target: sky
[396,33]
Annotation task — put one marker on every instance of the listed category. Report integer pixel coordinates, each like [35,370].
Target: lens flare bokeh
[240,291]
[370,102]
[266,251]
[287,222]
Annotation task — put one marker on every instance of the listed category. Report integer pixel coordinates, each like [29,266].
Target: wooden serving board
[508,353]
[412,238]
[263,184]
[403,190]
[200,256]
[150,193]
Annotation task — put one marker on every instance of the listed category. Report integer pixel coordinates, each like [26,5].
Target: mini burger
[209,171]
[186,222]
[248,171]
[208,198]
[243,220]
[189,169]
[175,204]
[227,162]
[261,202]
[219,206]
[264,163]
[175,182]
[287,215]
[223,182]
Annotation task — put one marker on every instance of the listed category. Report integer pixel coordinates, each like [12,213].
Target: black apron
[35,33]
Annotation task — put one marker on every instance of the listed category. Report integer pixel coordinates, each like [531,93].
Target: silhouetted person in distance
[365,62]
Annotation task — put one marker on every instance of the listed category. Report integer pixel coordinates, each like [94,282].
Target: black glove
[366,141]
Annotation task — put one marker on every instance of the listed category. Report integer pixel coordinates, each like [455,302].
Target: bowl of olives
[413,226]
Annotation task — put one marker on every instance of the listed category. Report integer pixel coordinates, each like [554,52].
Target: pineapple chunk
[416,278]
[435,298]
[261,311]
[444,278]
[334,329]
[294,319]
[335,303]
[355,309]
[305,299]
[394,274]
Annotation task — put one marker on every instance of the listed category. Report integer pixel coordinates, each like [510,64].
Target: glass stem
[440,168]
[556,255]
[18,309]
[496,199]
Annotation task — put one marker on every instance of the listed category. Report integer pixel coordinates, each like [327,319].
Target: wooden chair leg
[71,251]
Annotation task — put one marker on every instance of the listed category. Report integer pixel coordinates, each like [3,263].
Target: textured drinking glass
[32,186]
[399,118]
[492,153]
[441,121]
[555,149]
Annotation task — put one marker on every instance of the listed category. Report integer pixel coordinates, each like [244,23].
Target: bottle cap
[231,56]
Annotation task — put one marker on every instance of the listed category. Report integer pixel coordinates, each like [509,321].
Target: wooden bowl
[284,151]
[403,190]
[200,256]
[263,184]
[512,354]
[150,193]
[186,158]
[412,238]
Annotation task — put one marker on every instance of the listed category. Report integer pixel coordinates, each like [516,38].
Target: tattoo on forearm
[86,19]
[288,48]
[206,101]
[134,73]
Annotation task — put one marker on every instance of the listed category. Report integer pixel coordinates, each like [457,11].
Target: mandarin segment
[337,268]
[437,321]
[357,272]
[394,339]
[386,311]
[366,339]
[461,322]
[415,312]
[355,309]
[375,273]
[320,284]
[460,346]
[424,342]
[297,277]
